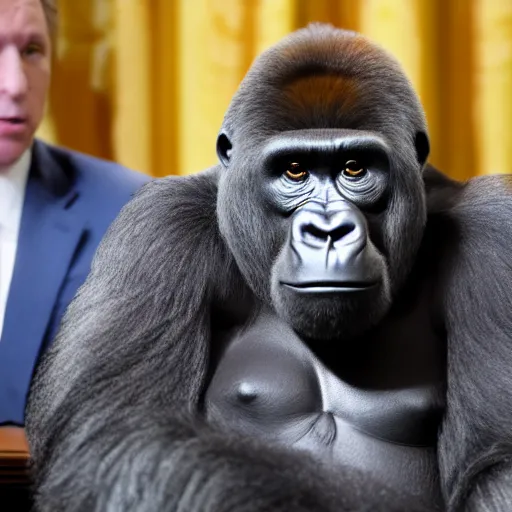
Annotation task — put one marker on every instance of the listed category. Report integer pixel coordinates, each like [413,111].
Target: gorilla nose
[317,229]
[324,234]
[329,245]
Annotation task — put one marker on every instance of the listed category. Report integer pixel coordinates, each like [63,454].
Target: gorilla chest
[268,381]
[383,417]
[274,392]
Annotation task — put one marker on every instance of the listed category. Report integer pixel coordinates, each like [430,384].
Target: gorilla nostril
[314,233]
[342,231]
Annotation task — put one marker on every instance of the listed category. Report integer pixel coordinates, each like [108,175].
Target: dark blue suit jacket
[70,201]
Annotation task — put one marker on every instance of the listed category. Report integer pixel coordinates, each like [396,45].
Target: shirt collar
[12,188]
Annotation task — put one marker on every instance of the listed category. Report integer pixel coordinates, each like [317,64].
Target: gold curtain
[146,82]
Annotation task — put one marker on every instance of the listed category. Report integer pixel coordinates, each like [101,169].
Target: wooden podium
[14,475]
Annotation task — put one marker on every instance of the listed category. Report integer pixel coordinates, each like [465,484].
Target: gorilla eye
[295,172]
[353,169]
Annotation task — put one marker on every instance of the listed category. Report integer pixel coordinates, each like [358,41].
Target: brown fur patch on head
[329,77]
[329,93]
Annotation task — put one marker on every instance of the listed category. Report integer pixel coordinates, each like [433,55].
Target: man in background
[55,204]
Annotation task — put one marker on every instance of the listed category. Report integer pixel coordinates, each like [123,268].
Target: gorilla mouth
[331,286]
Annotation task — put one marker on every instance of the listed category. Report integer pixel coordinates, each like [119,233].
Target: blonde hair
[51,14]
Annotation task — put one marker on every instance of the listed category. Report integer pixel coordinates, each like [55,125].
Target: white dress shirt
[12,194]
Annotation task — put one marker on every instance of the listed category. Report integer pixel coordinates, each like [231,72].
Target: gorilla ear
[422,145]
[224,149]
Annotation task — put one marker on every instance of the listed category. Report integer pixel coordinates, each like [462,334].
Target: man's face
[25,57]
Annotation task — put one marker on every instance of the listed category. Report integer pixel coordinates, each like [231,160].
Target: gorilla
[320,322]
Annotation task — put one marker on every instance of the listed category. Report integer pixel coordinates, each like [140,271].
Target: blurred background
[146,82]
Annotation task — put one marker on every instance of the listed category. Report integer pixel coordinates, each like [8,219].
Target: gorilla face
[321,189]
[329,275]
[323,194]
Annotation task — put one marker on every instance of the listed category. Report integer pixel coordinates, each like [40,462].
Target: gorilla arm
[110,419]
[133,346]
[475,450]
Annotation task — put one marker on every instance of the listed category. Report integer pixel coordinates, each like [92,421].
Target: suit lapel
[49,235]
